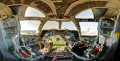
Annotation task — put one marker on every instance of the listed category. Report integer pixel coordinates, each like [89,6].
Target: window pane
[87,14]
[29,26]
[51,25]
[89,28]
[68,25]
[32,12]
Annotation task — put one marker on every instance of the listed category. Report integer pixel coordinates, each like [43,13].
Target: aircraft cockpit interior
[59,30]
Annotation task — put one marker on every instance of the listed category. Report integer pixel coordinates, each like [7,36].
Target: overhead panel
[61,6]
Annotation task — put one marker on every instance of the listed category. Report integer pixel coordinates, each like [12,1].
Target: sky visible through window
[89,28]
[68,25]
[87,14]
[51,25]
[31,12]
[33,25]
[29,25]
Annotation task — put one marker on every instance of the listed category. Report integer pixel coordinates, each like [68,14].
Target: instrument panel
[60,37]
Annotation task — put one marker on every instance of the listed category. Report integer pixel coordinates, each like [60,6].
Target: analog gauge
[47,34]
[72,35]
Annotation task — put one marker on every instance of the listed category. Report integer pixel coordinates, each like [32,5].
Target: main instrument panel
[60,37]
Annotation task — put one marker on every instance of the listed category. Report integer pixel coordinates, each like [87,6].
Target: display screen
[72,35]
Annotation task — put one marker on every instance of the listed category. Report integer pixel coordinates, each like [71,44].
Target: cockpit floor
[62,54]
[67,59]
